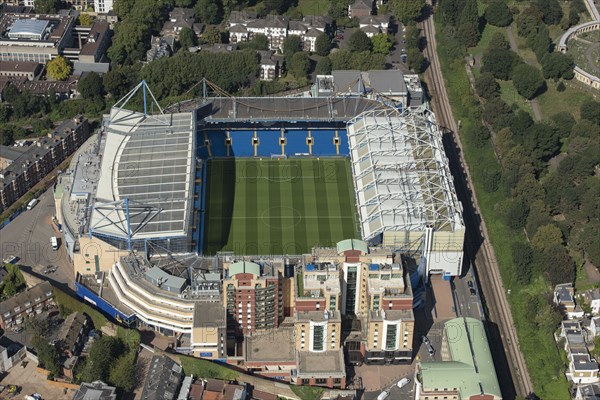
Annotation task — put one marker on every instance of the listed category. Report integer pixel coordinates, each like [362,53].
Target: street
[28,238]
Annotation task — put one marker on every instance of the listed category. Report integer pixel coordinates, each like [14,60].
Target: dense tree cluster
[497,13]
[363,61]
[461,21]
[110,360]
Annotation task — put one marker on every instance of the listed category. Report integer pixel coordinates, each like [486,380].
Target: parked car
[19,329]
[427,344]
[339,37]
[11,260]
[472,291]
[24,363]
[470,284]
[403,382]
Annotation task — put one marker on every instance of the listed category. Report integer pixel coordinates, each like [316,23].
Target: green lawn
[313,7]
[278,206]
[206,369]
[307,392]
[552,101]
[509,94]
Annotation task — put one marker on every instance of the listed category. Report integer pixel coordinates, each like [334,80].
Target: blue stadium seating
[241,144]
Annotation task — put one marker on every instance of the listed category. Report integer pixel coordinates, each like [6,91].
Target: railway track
[483,255]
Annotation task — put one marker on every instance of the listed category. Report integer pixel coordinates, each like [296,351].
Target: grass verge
[307,392]
[72,304]
[206,369]
[541,353]
[313,7]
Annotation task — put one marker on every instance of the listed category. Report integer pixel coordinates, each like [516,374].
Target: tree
[527,80]
[359,41]
[497,113]
[407,10]
[498,41]
[468,26]
[486,86]
[187,38]
[552,11]
[573,18]
[47,354]
[212,35]
[563,122]
[323,44]
[122,373]
[497,13]
[590,241]
[538,216]
[299,65]
[258,42]
[324,66]
[415,60]
[491,179]
[450,11]
[542,141]
[46,6]
[548,318]
[90,86]
[558,265]
[85,19]
[499,63]
[102,356]
[291,45]
[557,65]
[119,81]
[529,21]
[209,11]
[381,44]
[522,256]
[58,68]
[517,215]
[547,236]
[590,110]
[540,42]
[519,123]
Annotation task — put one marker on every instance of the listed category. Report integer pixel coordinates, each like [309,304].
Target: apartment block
[16,309]
[253,298]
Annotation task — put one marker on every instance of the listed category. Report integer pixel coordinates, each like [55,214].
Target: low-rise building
[270,65]
[565,300]
[374,24]
[26,69]
[16,309]
[96,390]
[467,368]
[163,379]
[360,8]
[588,392]
[582,369]
[72,334]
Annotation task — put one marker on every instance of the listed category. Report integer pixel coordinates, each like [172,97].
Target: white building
[404,190]
[103,6]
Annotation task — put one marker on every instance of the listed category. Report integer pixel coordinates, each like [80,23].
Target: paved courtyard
[32,381]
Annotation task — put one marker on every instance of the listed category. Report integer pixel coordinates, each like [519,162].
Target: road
[514,376]
[28,237]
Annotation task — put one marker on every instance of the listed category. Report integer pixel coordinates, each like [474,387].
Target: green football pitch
[274,206]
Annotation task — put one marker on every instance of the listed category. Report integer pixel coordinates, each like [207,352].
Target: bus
[32,204]
[54,242]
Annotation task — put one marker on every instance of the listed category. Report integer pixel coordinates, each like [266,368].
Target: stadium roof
[244,267]
[290,109]
[401,175]
[352,244]
[145,187]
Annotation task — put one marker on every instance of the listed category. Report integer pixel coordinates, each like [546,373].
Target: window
[228,141]
[390,340]
[336,140]
[318,338]
[281,140]
[309,140]
[255,141]
[207,142]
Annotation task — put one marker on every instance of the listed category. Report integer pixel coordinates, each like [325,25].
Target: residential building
[39,38]
[41,158]
[467,368]
[270,65]
[72,334]
[360,8]
[103,6]
[588,392]
[564,299]
[9,154]
[15,309]
[163,379]
[81,5]
[62,89]
[253,298]
[594,326]
[96,390]
[11,354]
[180,18]
[160,47]
[309,39]
[582,369]
[374,24]
[592,297]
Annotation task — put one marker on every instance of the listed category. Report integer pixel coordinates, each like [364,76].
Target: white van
[383,395]
[54,242]
[32,204]
[403,382]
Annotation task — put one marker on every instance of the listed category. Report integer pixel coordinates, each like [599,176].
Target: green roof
[244,267]
[471,370]
[352,244]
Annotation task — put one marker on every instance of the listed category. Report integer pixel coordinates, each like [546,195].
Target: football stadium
[266,176]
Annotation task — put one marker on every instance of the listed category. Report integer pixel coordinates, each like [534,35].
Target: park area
[278,206]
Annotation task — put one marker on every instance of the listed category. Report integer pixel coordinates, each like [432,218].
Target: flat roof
[327,362]
[28,27]
[272,345]
[206,313]
[149,163]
